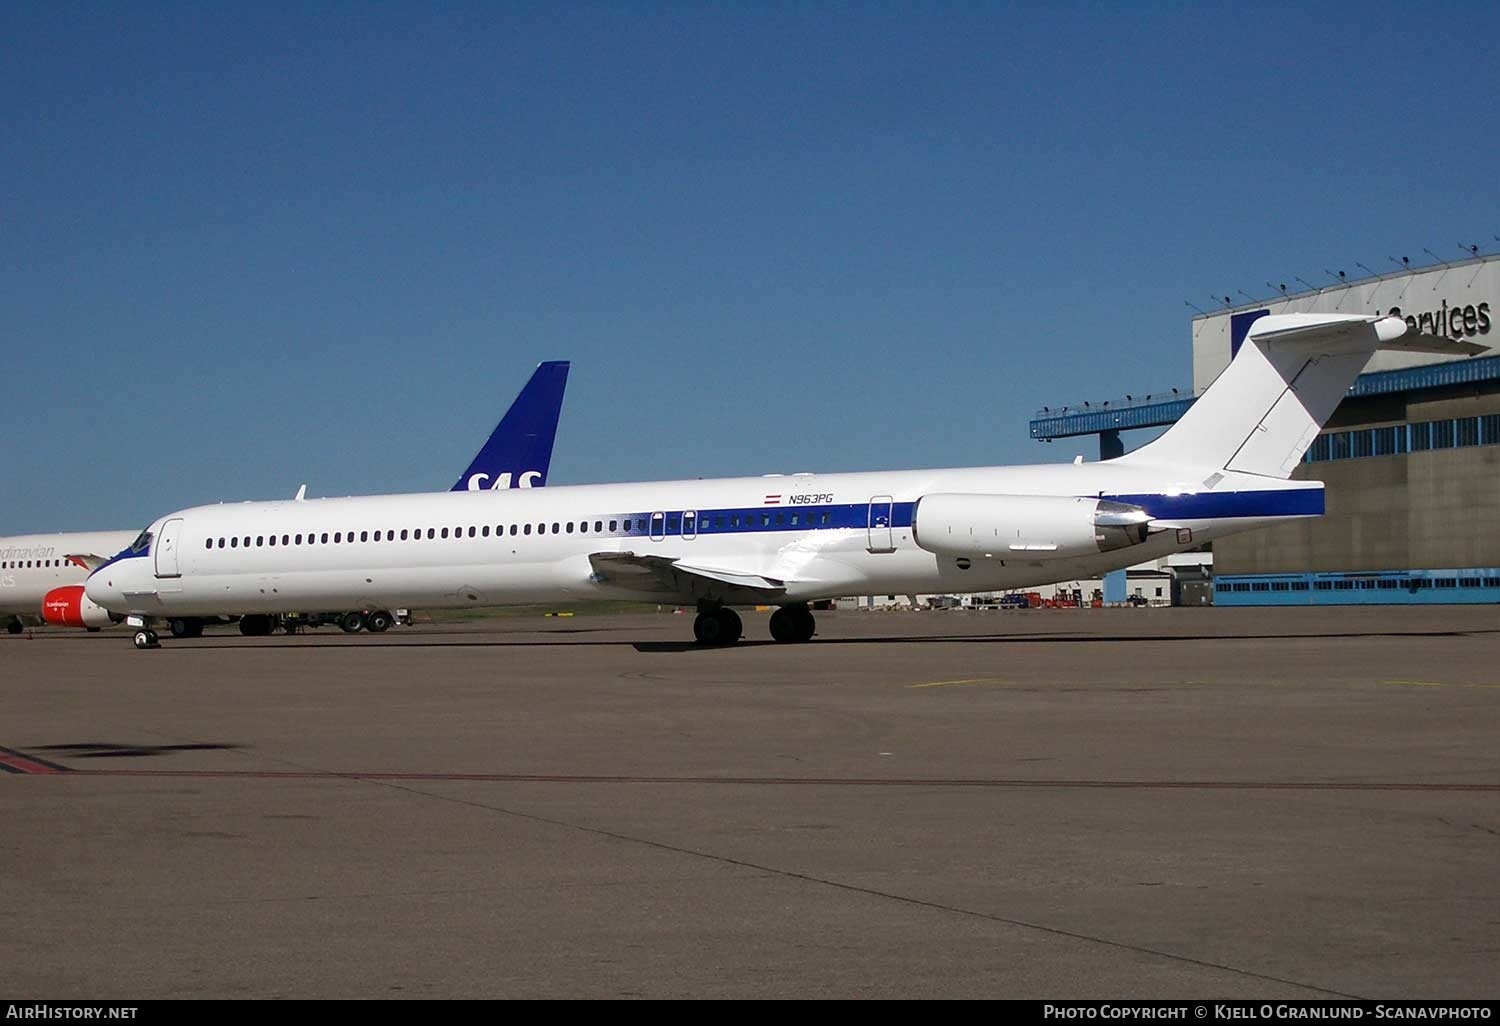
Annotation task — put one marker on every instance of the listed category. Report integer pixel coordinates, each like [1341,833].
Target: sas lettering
[809,500]
[7,580]
[502,481]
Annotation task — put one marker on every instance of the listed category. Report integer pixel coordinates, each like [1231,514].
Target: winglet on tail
[1260,415]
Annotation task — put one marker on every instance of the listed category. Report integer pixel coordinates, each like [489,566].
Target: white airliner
[43,574]
[780,540]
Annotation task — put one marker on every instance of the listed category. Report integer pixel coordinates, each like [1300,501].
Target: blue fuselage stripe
[1281,502]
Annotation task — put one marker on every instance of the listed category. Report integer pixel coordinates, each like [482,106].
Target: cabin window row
[31,564]
[419,534]
[628,526]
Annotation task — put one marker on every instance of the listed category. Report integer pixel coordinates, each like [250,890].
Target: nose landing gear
[146,638]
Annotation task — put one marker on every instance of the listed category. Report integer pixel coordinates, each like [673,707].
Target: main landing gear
[793,624]
[720,625]
[717,625]
[14,626]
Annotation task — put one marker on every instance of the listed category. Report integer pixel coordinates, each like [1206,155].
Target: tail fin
[1260,415]
[519,451]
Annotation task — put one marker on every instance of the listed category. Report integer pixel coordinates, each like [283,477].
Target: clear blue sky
[243,247]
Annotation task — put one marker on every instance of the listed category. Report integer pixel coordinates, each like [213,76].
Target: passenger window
[221,543]
[272,541]
[598,527]
[299,539]
[612,527]
[765,520]
[554,527]
[260,540]
[781,518]
[325,538]
[471,531]
[234,543]
[208,544]
[512,530]
[570,527]
[794,520]
[286,539]
[671,525]
[364,536]
[734,521]
[431,533]
[528,528]
[445,532]
[338,537]
[486,532]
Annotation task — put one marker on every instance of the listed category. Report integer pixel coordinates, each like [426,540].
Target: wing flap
[668,575]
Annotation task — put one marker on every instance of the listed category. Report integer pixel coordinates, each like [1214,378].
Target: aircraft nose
[100,588]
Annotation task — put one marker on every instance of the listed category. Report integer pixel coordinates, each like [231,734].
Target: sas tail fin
[519,451]
[1260,415]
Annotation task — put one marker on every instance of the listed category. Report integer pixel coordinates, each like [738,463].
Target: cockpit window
[142,543]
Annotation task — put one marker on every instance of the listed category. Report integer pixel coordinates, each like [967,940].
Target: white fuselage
[31,565]
[814,535]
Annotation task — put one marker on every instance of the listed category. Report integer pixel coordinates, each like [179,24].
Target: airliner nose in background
[43,575]
[783,541]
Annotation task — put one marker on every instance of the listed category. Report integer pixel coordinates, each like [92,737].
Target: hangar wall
[1432,509]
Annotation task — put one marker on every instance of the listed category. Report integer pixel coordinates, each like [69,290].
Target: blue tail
[519,451]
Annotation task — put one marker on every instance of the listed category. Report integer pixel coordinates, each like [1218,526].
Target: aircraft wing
[670,576]
[87,560]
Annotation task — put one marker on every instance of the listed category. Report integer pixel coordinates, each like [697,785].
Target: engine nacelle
[70,607]
[1025,526]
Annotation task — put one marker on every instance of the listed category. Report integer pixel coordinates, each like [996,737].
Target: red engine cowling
[70,607]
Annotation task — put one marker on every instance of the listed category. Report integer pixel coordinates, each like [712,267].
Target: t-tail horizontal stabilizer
[1261,414]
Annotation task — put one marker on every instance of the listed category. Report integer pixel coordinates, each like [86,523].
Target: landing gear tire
[183,627]
[352,623]
[145,639]
[14,627]
[793,625]
[718,627]
[257,626]
[379,621]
